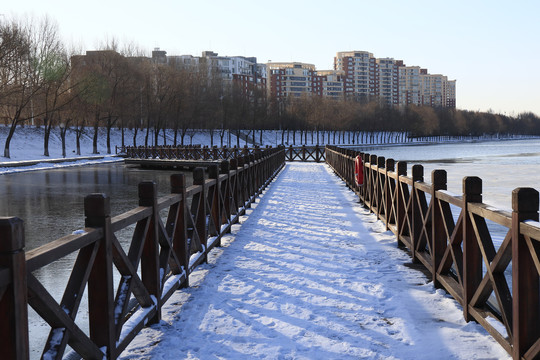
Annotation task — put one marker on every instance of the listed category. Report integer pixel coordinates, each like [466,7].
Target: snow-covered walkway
[311,275]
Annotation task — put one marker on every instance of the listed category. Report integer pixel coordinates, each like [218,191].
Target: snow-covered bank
[311,275]
[27,143]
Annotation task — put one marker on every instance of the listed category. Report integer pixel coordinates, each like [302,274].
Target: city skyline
[488,47]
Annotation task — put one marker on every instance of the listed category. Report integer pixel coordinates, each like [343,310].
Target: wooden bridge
[189,154]
[446,233]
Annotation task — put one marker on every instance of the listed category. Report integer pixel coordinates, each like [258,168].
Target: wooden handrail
[457,248]
[160,258]
[302,153]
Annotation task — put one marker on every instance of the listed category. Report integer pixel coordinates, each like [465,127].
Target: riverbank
[26,148]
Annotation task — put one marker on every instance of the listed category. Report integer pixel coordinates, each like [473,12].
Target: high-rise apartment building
[242,71]
[391,82]
[298,79]
[356,75]
[329,83]
[359,73]
[289,79]
[409,85]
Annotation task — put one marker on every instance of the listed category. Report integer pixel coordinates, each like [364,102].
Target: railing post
[97,210]
[226,193]
[472,257]
[372,181]
[390,167]
[525,278]
[367,179]
[291,155]
[214,203]
[200,223]
[417,176]
[14,300]
[235,197]
[250,160]
[150,257]
[179,241]
[400,200]
[438,235]
[381,172]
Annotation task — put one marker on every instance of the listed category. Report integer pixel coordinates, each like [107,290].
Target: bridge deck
[311,275]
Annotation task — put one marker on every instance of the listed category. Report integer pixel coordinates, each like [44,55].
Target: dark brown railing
[184,153]
[164,253]
[293,153]
[450,236]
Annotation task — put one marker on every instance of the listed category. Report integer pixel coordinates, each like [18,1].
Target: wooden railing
[185,153]
[293,153]
[161,256]
[305,153]
[452,236]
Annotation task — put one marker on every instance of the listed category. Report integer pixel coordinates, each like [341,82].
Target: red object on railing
[359,171]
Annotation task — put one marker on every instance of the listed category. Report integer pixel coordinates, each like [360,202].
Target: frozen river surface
[502,165]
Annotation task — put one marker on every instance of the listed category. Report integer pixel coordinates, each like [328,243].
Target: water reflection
[51,201]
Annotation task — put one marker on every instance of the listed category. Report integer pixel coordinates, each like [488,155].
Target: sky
[490,47]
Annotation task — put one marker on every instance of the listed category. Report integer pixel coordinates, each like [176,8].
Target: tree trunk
[78,141]
[156,136]
[146,136]
[63,138]
[135,131]
[95,141]
[9,137]
[46,135]
[109,139]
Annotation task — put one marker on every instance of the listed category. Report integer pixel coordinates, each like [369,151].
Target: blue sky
[491,48]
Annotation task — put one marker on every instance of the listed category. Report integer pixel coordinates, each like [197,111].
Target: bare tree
[52,70]
[17,70]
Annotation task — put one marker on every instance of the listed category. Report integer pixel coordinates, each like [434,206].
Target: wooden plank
[121,221]
[488,212]
[452,286]
[480,318]
[45,305]
[170,163]
[446,196]
[57,249]
[423,186]
[126,269]
[193,189]
[168,200]
[406,180]
[530,229]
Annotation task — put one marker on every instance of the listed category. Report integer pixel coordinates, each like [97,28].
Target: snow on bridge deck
[310,274]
